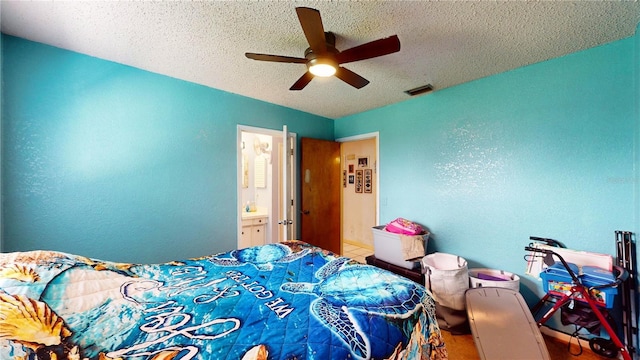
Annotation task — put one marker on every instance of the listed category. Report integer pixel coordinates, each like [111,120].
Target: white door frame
[376,166]
[273,133]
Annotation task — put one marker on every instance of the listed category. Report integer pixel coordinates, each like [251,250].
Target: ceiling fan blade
[275,58]
[313,30]
[302,82]
[351,78]
[370,50]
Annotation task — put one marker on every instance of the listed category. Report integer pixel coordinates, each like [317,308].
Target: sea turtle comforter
[279,301]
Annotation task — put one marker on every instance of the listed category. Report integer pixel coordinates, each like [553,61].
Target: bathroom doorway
[265,186]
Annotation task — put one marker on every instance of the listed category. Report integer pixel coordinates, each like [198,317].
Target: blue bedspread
[278,301]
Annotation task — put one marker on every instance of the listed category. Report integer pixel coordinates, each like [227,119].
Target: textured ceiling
[443,43]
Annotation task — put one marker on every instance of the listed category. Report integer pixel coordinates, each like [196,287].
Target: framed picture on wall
[351,179]
[344,178]
[368,183]
[351,168]
[359,181]
[363,162]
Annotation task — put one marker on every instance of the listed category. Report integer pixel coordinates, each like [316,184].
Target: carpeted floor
[461,347]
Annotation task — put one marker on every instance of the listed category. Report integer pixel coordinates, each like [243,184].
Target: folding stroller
[578,290]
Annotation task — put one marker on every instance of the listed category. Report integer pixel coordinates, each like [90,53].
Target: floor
[463,347]
[356,252]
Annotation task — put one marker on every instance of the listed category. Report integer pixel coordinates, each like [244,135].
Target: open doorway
[360,151]
[360,195]
[265,169]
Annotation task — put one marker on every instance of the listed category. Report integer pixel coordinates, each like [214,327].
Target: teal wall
[116,163]
[546,150]
[1,201]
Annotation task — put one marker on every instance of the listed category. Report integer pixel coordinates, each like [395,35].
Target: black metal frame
[626,258]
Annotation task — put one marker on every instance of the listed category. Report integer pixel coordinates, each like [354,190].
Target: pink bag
[404,226]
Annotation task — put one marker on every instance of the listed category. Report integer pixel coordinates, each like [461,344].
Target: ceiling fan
[323,59]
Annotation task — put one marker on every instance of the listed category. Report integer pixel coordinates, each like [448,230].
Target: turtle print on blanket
[279,301]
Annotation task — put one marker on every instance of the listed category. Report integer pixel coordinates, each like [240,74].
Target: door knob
[305,212]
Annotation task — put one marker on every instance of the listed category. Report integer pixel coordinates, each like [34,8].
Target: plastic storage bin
[556,280]
[387,247]
[493,278]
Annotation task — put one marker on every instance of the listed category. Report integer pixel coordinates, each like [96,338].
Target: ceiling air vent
[420,90]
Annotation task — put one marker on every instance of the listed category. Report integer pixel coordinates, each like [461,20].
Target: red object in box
[557,281]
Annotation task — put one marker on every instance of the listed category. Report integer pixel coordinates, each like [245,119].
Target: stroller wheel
[603,347]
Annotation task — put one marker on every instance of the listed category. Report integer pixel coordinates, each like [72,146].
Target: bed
[288,300]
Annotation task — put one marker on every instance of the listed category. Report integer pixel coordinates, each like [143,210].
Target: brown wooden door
[320,193]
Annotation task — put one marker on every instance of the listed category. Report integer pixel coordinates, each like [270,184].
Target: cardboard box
[387,247]
[556,281]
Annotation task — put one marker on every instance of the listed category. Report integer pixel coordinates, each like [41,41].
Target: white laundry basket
[447,277]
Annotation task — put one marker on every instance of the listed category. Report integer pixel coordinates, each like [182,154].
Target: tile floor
[356,252]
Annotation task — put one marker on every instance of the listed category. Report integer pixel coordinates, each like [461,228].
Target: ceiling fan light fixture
[323,67]
[322,58]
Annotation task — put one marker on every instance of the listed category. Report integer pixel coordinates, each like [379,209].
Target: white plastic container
[502,279]
[387,247]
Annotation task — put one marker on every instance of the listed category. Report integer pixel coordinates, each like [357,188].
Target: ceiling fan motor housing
[327,58]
